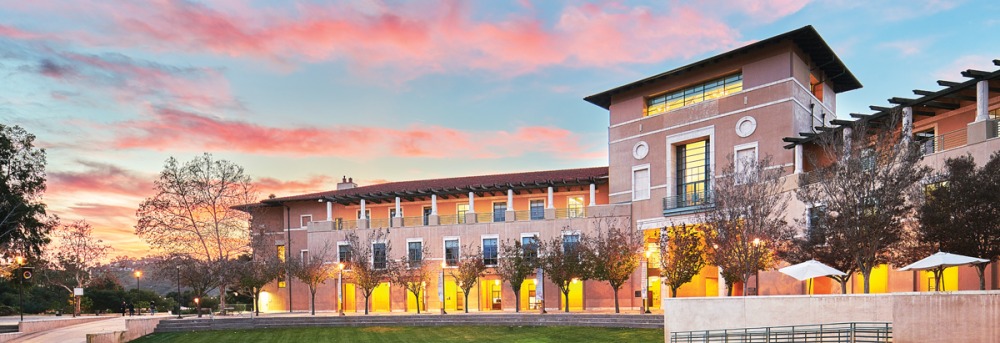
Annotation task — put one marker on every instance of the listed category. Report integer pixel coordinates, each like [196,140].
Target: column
[329,211]
[549,203]
[433,218]
[470,217]
[362,219]
[398,212]
[798,159]
[593,195]
[983,128]
[397,219]
[509,216]
[907,124]
[550,209]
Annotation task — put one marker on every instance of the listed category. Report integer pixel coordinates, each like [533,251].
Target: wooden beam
[859,115]
[944,83]
[972,73]
[900,101]
[807,134]
[794,140]
[842,122]
[941,105]
[953,96]
[996,62]
[880,109]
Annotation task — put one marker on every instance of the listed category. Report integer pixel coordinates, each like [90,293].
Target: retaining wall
[134,328]
[32,326]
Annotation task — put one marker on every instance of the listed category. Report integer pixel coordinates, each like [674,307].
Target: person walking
[152,308]
[123,308]
[131,309]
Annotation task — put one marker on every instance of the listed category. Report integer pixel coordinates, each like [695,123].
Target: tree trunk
[366,304]
[222,299]
[867,273]
[566,294]
[517,300]
[981,270]
[843,286]
[256,301]
[416,297]
[673,291]
[76,311]
[616,300]
[466,301]
[312,301]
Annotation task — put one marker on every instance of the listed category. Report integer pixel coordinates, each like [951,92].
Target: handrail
[855,332]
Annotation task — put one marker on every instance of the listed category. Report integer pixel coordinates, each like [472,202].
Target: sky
[302,93]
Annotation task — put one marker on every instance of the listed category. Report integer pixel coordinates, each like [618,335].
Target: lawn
[415,334]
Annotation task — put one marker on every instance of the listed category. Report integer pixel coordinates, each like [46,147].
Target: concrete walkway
[77,333]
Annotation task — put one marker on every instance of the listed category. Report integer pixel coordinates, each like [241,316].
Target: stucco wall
[134,328]
[916,317]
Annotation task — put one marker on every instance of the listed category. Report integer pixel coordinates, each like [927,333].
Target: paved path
[77,333]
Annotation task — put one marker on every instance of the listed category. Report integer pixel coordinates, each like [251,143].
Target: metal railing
[688,202]
[413,221]
[450,219]
[860,332]
[486,217]
[346,224]
[379,222]
[944,141]
[563,213]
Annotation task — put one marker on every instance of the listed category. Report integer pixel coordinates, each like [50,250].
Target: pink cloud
[101,178]
[315,183]
[174,129]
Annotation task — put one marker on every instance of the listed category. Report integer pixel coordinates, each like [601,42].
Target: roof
[805,37]
[929,104]
[480,184]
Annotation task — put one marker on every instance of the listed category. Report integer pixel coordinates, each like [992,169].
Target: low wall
[134,328]
[49,324]
[917,317]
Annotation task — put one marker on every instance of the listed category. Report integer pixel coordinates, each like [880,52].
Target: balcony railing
[834,333]
[945,141]
[413,221]
[450,219]
[688,202]
[380,222]
[485,217]
[564,213]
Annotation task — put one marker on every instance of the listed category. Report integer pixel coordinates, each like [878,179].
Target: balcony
[452,219]
[688,203]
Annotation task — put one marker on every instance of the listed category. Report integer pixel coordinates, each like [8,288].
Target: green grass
[415,334]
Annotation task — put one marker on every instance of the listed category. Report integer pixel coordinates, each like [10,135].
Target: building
[668,135]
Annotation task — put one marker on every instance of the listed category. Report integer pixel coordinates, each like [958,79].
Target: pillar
[510,215]
[907,124]
[470,217]
[983,128]
[549,204]
[434,204]
[399,213]
[798,159]
[593,195]
[329,211]
[550,209]
[362,216]
[362,219]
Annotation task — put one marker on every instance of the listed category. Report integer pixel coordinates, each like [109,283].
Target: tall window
[451,252]
[305,219]
[530,247]
[499,212]
[640,184]
[281,276]
[694,94]
[815,231]
[537,208]
[379,259]
[816,87]
[692,173]
[928,141]
[570,242]
[344,253]
[574,205]
[427,215]
[462,210]
[746,160]
[368,214]
[415,253]
[490,251]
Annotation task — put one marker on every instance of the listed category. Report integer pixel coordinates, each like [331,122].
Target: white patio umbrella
[808,270]
[939,261]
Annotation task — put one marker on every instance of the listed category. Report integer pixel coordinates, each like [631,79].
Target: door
[575,296]
[380,298]
[529,289]
[427,215]
[411,302]
[350,303]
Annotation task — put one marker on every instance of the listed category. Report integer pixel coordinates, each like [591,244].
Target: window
[570,242]
[815,230]
[304,220]
[427,215]
[868,159]
[745,162]
[344,253]
[692,173]
[529,244]
[816,87]
[281,275]
[392,214]
[574,206]
[415,253]
[379,260]
[462,209]
[927,140]
[694,94]
[499,212]
[537,209]
[368,214]
[490,251]
[640,183]
[451,252]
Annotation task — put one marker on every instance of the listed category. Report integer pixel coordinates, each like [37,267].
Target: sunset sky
[389,91]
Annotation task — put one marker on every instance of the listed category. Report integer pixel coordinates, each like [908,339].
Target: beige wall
[970,317]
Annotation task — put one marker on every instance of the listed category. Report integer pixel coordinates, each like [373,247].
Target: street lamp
[178,296]
[197,305]
[20,287]
[138,273]
[340,287]
[645,282]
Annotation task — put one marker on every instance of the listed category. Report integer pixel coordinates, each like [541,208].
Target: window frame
[648,183]
[409,251]
[531,209]
[302,222]
[385,255]
[694,93]
[502,214]
[458,254]
[496,251]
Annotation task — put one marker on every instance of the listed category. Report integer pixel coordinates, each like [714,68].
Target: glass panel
[344,253]
[570,242]
[451,252]
[692,173]
[378,255]
[490,251]
[416,253]
[574,207]
[499,212]
[462,210]
[712,89]
[537,209]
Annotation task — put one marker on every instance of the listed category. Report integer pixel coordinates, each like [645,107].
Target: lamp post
[645,282]
[340,287]
[441,286]
[20,287]
[138,273]
[178,296]
[197,305]
[756,273]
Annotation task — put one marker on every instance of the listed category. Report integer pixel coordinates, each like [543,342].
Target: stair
[512,319]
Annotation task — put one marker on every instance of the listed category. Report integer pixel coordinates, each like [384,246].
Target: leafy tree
[615,253]
[75,258]
[411,273]
[515,264]
[24,223]
[197,274]
[470,268]
[744,229]
[682,255]
[313,271]
[866,188]
[370,266]
[256,270]
[960,212]
[566,262]
[195,212]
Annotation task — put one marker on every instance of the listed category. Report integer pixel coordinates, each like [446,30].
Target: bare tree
[411,272]
[470,268]
[874,171]
[615,252]
[517,263]
[746,225]
[682,255]
[77,254]
[961,209]
[197,274]
[565,262]
[256,270]
[370,265]
[313,270]
[195,212]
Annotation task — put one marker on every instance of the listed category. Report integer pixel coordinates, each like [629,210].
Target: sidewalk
[78,333]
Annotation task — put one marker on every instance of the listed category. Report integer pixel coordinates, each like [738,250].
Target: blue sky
[302,93]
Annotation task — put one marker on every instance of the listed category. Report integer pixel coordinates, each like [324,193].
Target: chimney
[346,183]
